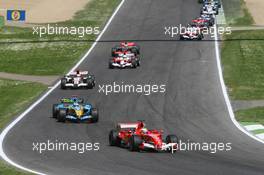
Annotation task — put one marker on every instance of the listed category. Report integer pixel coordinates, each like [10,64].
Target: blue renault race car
[74,109]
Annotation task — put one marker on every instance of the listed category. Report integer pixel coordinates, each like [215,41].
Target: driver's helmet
[144,130]
[125,44]
[78,73]
[76,105]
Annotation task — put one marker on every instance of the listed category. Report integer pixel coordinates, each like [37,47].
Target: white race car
[124,60]
[209,9]
[78,79]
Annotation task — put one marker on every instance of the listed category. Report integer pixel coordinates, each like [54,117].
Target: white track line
[227,101]
[254,127]
[12,124]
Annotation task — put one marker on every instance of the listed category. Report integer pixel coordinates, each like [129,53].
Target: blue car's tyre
[55,111]
[62,115]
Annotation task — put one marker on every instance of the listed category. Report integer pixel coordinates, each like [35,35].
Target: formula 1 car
[209,18]
[136,137]
[124,60]
[74,109]
[215,3]
[125,48]
[78,79]
[191,33]
[203,22]
[209,9]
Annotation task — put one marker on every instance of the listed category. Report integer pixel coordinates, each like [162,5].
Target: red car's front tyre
[134,143]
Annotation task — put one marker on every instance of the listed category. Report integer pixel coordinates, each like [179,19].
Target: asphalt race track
[193,106]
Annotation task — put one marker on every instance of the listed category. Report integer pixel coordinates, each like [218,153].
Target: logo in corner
[16,15]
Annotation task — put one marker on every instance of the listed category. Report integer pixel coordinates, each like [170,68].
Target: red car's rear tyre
[113,138]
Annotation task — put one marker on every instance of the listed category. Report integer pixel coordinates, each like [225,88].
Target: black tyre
[95,115]
[172,139]
[138,62]
[134,63]
[181,37]
[200,37]
[134,143]
[90,84]
[55,111]
[134,51]
[114,140]
[137,49]
[63,83]
[111,64]
[62,115]
[113,52]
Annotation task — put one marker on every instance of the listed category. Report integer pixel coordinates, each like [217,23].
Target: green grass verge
[259,131]
[52,58]
[236,13]
[40,59]
[6,169]
[254,115]
[248,123]
[243,65]
[15,96]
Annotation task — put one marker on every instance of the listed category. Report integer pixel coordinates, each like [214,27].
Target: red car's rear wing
[127,125]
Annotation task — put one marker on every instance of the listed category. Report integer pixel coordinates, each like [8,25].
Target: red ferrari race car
[136,137]
[125,47]
[203,22]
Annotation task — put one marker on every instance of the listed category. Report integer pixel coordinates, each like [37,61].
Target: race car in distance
[191,33]
[125,47]
[136,137]
[74,109]
[209,18]
[215,3]
[125,60]
[78,79]
[200,27]
[203,22]
[209,9]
